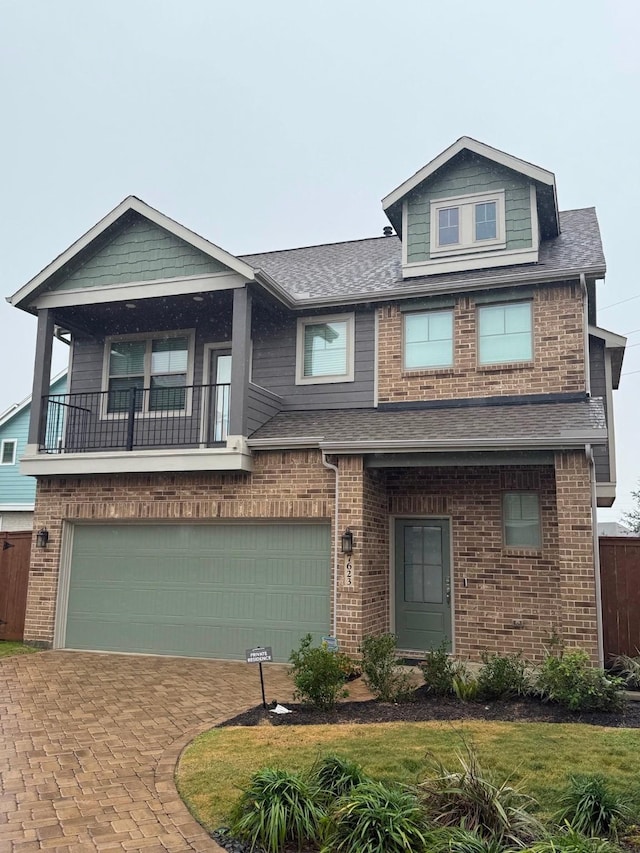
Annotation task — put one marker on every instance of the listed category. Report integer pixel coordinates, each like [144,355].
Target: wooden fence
[620,576]
[15,551]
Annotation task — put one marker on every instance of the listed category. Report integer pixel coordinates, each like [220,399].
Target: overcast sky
[267,125]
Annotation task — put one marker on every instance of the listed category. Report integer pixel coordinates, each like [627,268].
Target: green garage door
[198,590]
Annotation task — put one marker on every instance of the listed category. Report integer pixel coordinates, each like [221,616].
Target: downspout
[334,468]
[596,552]
[587,354]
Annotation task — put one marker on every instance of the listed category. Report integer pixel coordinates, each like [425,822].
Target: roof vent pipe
[387,231]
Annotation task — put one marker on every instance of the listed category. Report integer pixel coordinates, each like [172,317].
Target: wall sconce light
[347,542]
[42,537]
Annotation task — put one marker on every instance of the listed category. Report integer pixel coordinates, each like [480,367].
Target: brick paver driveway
[88,744]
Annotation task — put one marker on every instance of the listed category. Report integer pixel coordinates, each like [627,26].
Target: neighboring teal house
[17,492]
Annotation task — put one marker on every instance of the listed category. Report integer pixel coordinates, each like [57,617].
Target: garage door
[197,590]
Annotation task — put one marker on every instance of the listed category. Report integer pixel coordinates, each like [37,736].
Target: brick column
[577,589]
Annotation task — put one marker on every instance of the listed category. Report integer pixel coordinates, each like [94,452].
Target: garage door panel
[198,590]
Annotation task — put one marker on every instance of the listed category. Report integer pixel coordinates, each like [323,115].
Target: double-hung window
[521,520]
[470,223]
[8,449]
[428,339]
[505,333]
[325,349]
[151,372]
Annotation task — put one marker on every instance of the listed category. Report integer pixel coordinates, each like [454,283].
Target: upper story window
[159,367]
[469,223]
[8,450]
[325,349]
[505,333]
[521,520]
[428,339]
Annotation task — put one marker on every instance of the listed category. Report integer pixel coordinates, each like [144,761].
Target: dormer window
[469,223]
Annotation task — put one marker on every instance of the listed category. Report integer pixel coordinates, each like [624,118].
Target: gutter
[334,468]
[596,553]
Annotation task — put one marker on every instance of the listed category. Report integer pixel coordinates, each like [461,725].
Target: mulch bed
[426,707]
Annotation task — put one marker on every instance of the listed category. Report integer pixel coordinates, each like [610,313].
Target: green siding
[198,590]
[471,175]
[142,251]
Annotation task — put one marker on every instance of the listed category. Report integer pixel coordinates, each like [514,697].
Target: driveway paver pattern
[89,742]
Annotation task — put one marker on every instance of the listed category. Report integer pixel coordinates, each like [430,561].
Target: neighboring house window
[521,520]
[428,339]
[325,349]
[8,451]
[160,364]
[505,333]
[467,224]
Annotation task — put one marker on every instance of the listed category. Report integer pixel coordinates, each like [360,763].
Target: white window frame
[522,361]
[404,339]
[505,544]
[348,375]
[467,243]
[148,336]
[4,442]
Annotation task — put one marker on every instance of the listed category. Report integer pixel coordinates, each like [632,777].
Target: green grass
[539,755]
[8,648]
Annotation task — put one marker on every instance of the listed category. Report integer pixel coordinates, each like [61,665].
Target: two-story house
[409,433]
[17,492]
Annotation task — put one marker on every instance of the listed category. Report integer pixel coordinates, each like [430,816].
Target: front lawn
[8,648]
[540,756]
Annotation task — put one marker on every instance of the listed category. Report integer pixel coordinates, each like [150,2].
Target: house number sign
[348,572]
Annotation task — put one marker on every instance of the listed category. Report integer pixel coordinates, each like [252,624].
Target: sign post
[260,655]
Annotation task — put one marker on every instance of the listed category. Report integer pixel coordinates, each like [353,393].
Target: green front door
[199,590]
[423,583]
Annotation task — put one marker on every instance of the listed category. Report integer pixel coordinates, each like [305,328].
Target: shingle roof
[548,424]
[374,267]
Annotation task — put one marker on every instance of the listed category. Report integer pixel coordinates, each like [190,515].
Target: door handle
[448,590]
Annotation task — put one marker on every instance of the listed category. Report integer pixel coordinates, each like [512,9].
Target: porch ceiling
[539,425]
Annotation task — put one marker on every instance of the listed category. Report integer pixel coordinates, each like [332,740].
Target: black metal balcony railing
[136,418]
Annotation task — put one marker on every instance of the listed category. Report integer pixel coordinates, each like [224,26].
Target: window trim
[505,544]
[424,311]
[518,362]
[302,323]
[3,443]
[148,336]
[467,243]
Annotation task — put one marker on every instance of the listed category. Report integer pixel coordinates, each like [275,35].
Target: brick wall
[551,591]
[558,364]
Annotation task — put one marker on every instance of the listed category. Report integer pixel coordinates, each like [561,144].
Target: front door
[220,373]
[423,583]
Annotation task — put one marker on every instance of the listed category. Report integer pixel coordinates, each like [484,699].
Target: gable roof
[16,408]
[372,269]
[131,203]
[543,177]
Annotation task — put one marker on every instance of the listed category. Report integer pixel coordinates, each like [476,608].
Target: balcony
[177,428]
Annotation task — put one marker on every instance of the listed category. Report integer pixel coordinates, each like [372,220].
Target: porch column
[41,377]
[240,354]
[576,563]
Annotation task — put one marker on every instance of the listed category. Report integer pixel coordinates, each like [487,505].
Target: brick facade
[513,600]
[557,367]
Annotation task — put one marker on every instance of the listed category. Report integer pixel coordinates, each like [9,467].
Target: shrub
[376,818]
[465,687]
[439,670]
[382,672]
[318,674]
[277,807]
[502,676]
[460,840]
[571,841]
[470,798]
[629,669]
[591,807]
[335,776]
[569,679]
